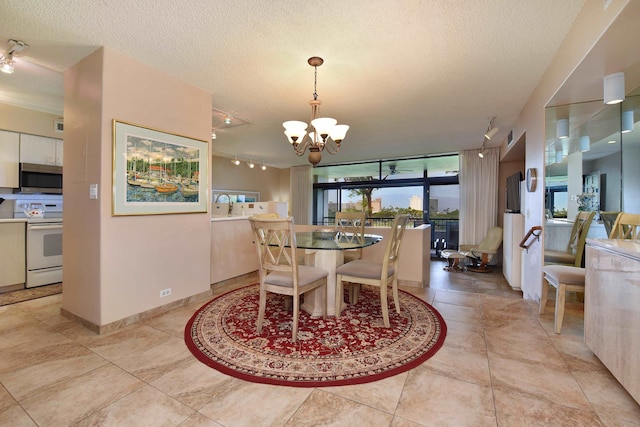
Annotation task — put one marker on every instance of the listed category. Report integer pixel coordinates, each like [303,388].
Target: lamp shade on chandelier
[326,133]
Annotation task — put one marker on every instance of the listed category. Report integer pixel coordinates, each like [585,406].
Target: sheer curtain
[478,194]
[300,192]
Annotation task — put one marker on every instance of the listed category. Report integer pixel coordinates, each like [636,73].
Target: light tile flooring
[501,364]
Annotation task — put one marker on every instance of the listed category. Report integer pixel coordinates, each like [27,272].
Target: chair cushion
[361,268]
[306,275]
[566,274]
[559,257]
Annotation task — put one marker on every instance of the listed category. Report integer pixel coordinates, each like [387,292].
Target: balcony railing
[444,232]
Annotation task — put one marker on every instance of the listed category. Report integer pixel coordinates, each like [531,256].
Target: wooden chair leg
[296,312]
[561,294]
[384,304]
[339,294]
[396,299]
[261,309]
[543,296]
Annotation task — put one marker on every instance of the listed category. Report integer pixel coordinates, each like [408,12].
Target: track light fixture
[7,63]
[251,164]
[227,120]
[235,161]
[562,129]
[213,134]
[491,129]
[614,88]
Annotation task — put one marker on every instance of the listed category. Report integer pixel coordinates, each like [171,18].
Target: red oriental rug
[354,349]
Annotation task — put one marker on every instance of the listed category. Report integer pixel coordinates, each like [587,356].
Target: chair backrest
[578,237]
[608,219]
[275,241]
[492,240]
[627,226]
[392,249]
[351,226]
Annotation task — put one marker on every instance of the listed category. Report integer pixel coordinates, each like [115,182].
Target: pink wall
[115,267]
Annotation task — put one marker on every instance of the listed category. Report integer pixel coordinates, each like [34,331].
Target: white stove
[44,239]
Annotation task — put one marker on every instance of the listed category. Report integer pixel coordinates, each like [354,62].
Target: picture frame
[157,172]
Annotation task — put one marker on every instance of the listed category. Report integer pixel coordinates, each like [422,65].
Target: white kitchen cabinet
[40,150]
[9,159]
[12,253]
[511,251]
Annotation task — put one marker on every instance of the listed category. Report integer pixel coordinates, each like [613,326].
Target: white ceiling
[410,77]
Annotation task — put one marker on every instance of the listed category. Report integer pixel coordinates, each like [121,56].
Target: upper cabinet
[9,159]
[40,150]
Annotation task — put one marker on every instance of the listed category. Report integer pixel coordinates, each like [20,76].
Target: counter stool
[454,262]
[564,278]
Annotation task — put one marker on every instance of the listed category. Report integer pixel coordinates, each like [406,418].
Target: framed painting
[156,172]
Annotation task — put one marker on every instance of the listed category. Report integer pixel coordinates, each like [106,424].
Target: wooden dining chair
[565,278]
[275,241]
[627,227]
[351,229]
[574,254]
[375,273]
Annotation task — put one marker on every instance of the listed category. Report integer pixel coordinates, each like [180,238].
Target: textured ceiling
[409,77]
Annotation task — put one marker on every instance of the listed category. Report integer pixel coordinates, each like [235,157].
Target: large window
[426,188]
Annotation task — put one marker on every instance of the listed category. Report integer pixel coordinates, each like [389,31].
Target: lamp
[235,161]
[327,133]
[491,130]
[227,120]
[562,129]
[614,88]
[481,153]
[7,62]
[626,121]
[585,143]
[263,167]
[251,164]
[213,134]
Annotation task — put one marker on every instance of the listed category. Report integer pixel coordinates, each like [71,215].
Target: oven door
[44,253]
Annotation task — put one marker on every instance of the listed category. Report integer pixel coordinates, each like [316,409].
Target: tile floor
[501,365]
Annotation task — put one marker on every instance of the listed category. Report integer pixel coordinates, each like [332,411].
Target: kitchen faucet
[230,202]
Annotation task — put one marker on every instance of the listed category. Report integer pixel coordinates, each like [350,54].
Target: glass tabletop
[333,240]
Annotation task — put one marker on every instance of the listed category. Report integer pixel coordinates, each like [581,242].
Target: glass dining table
[324,249]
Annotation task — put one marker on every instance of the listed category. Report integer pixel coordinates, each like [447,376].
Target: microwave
[36,178]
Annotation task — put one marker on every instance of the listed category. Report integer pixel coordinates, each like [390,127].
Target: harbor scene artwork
[157,172]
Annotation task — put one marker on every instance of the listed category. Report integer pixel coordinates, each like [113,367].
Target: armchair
[481,256]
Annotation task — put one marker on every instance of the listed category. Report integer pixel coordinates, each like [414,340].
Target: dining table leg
[327,260]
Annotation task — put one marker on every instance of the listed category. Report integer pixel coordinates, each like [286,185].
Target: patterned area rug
[354,349]
[30,293]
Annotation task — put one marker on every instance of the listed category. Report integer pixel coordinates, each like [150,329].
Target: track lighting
[562,129]
[585,143]
[235,161]
[626,121]
[614,88]
[491,130]
[263,167]
[213,134]
[251,164]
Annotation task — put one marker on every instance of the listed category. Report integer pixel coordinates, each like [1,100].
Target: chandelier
[327,134]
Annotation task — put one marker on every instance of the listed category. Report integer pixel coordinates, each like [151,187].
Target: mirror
[592,156]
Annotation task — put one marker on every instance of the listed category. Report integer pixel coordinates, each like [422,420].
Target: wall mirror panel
[592,163]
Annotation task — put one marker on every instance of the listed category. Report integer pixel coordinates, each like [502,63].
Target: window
[423,187]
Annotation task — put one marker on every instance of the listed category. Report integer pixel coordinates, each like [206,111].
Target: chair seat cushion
[306,275]
[366,269]
[566,274]
[559,257]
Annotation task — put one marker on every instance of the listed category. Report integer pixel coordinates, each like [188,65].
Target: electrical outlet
[165,292]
